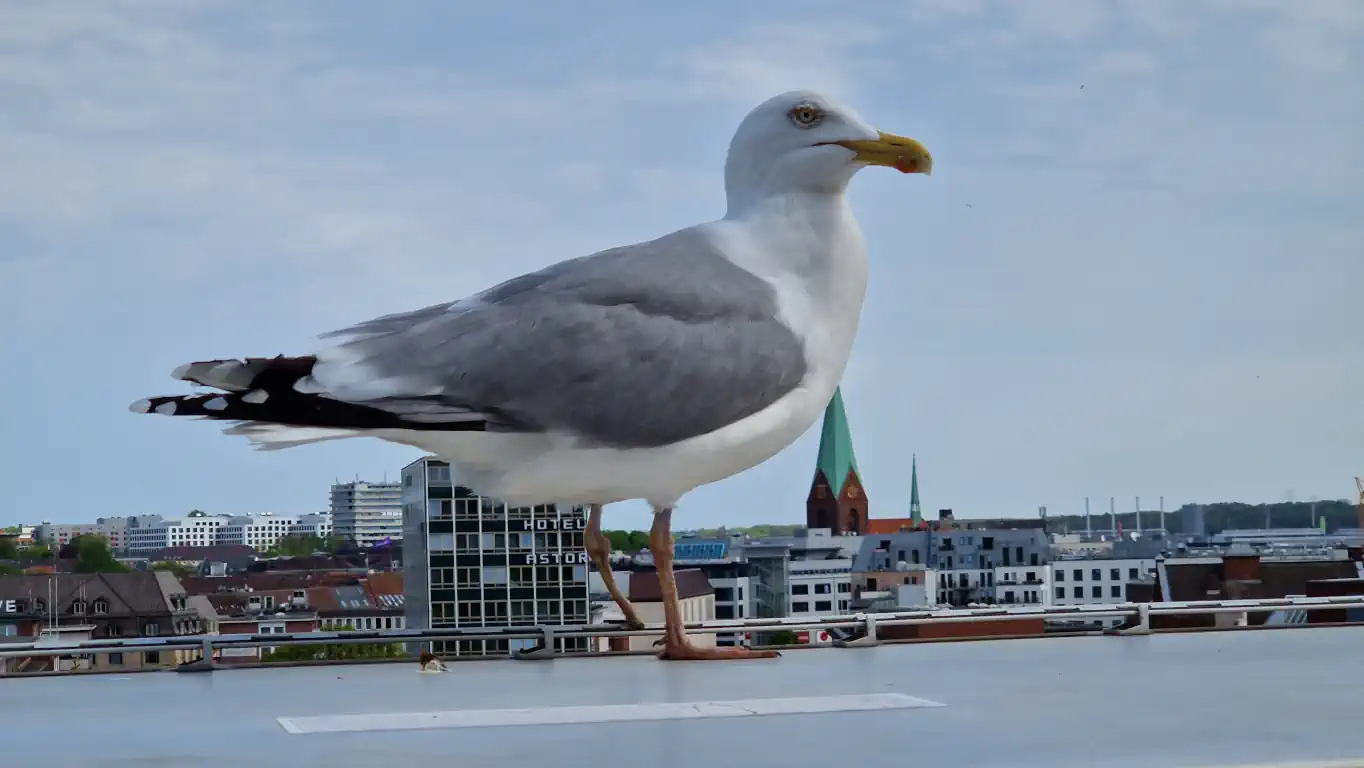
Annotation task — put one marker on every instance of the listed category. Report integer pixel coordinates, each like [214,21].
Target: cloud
[1146,266]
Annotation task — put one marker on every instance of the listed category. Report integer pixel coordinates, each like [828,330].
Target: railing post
[203,664]
[544,650]
[1143,625]
[868,639]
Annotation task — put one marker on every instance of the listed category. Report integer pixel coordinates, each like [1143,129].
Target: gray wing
[638,346]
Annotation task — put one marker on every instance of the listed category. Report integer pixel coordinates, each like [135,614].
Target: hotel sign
[9,606]
[555,524]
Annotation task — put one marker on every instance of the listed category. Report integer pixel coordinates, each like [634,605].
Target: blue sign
[700,550]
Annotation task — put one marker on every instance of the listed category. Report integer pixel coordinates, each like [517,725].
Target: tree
[628,541]
[8,549]
[335,651]
[93,556]
[36,554]
[10,570]
[302,545]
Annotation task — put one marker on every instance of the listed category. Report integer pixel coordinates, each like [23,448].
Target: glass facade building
[471,561]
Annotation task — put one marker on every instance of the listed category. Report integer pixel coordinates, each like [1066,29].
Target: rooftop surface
[1254,697]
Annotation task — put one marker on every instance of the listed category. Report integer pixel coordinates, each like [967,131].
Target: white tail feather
[276,437]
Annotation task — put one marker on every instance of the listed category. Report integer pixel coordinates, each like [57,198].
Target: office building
[470,561]
[367,513]
[146,535]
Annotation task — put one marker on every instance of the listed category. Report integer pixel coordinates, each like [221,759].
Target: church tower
[837,500]
[916,515]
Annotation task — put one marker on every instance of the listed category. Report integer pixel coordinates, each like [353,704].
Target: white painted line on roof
[609,713]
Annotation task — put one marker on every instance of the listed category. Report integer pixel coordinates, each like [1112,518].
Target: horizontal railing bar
[537,632]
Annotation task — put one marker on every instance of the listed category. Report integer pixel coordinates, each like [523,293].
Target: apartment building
[367,513]
[1089,581]
[470,561]
[199,529]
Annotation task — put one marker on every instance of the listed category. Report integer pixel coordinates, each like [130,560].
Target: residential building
[200,529]
[56,535]
[275,612]
[1095,580]
[367,513]
[470,561]
[98,606]
[964,557]
[1023,585]
[696,600]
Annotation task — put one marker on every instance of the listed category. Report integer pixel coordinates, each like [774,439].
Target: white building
[367,513]
[819,587]
[203,530]
[1090,581]
[1023,585]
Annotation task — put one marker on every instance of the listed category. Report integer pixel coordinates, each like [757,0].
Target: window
[1079,592]
[824,606]
[101,606]
[801,607]
[469,610]
[522,575]
[1132,573]
[1031,576]
[844,587]
[113,630]
[1078,575]
[1114,574]
[823,589]
[495,575]
[800,589]
[1060,593]
[439,509]
[1095,574]
[442,578]
[442,542]
[1060,575]
[494,541]
[466,543]
[151,630]
[78,607]
[438,474]
[152,657]
[1096,591]
[116,659]
[1032,558]
[1116,591]
[1018,554]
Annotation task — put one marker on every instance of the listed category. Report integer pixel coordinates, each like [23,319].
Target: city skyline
[1105,289]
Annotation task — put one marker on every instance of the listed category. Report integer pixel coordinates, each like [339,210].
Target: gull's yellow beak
[902,154]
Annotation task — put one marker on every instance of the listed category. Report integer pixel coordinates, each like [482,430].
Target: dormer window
[100,606]
[78,607]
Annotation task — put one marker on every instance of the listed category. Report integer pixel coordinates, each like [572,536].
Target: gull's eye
[806,115]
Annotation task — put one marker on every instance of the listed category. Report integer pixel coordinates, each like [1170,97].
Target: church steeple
[916,515]
[837,500]
[836,458]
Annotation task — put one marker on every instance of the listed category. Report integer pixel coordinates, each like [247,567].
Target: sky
[1135,271]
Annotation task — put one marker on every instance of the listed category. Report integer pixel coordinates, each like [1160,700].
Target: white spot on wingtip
[182,371]
[256,396]
[141,406]
[166,409]
[216,404]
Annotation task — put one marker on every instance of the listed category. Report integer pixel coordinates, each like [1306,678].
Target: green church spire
[835,445]
[915,513]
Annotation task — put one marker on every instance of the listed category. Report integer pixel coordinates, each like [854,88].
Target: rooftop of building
[1255,697]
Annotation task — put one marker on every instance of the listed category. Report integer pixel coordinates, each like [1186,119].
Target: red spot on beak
[905,165]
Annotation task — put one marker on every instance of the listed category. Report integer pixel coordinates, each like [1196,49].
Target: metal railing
[864,625]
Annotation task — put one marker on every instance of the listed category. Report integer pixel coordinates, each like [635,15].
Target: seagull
[638,372]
